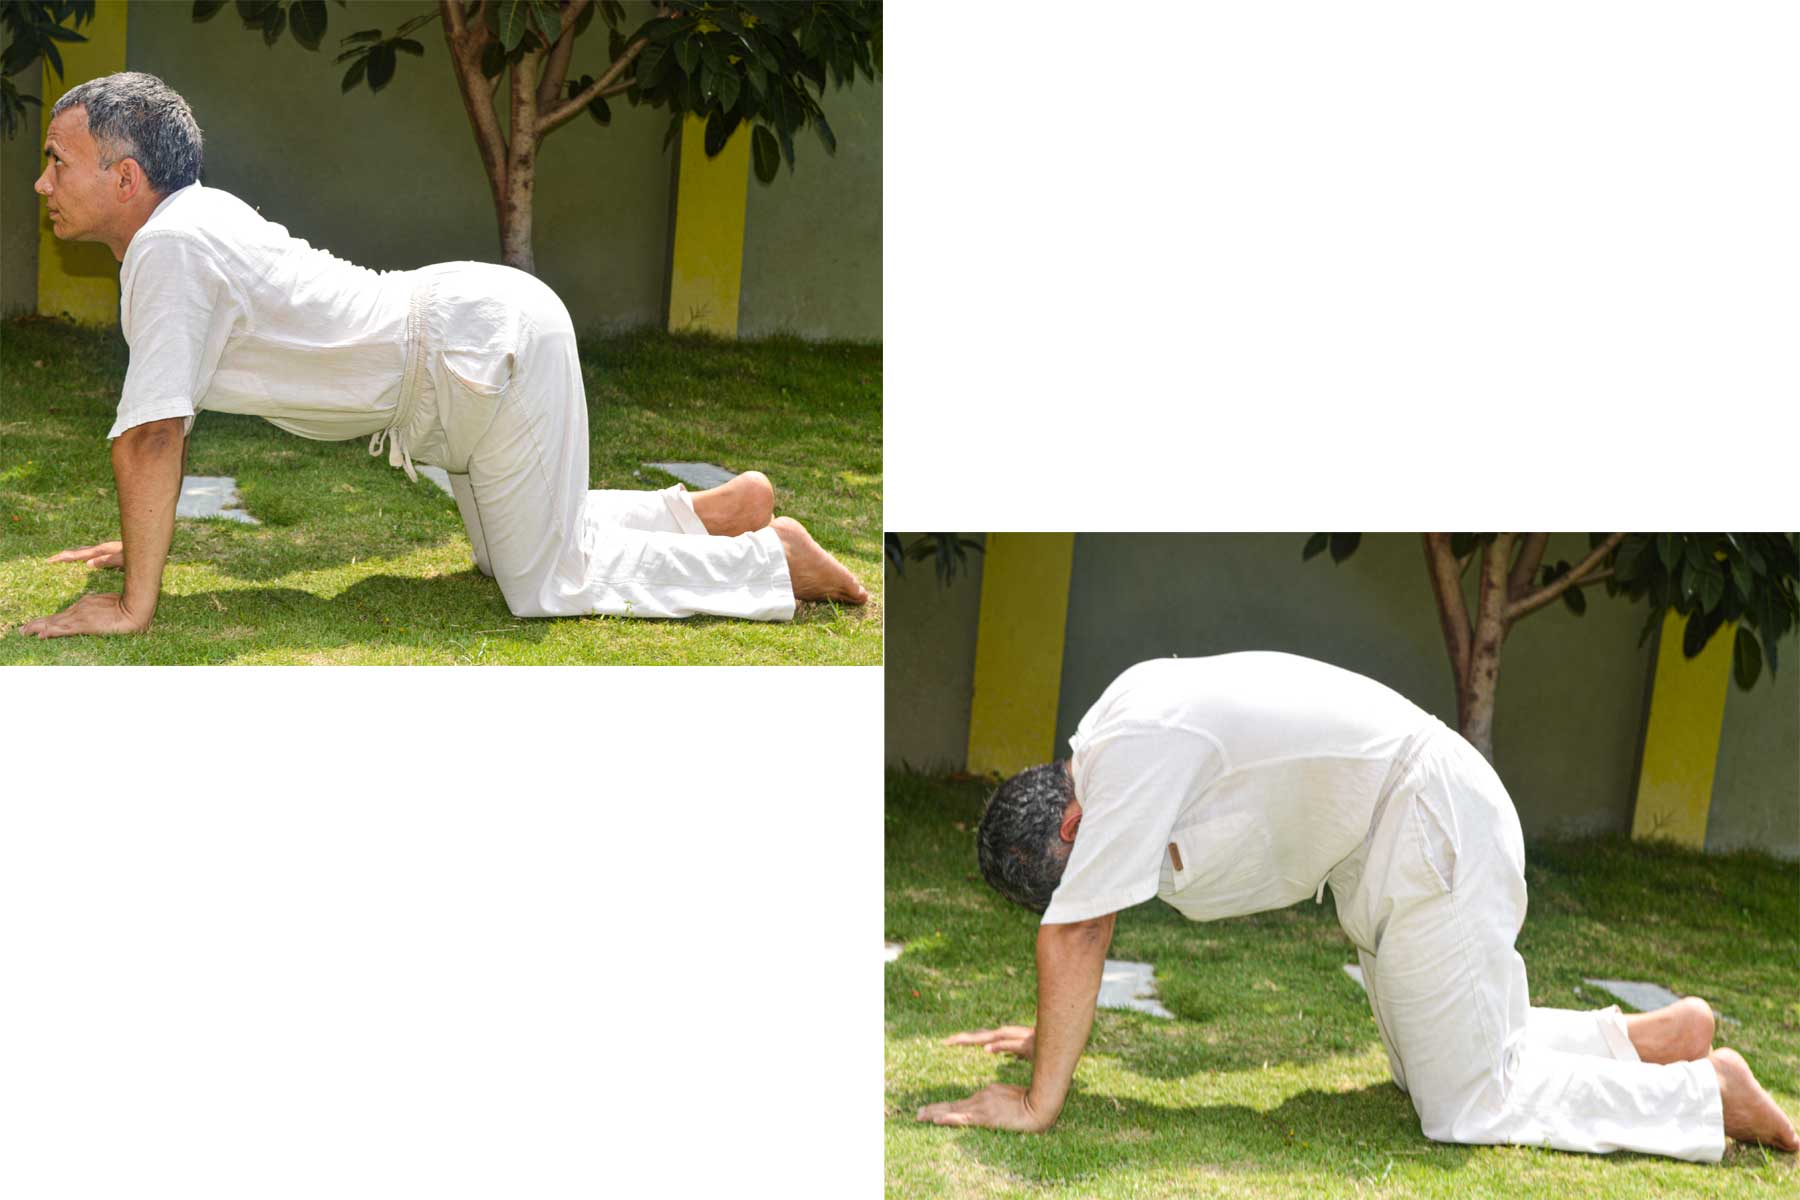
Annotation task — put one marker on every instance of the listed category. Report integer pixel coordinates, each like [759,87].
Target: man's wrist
[139,613]
[1043,1109]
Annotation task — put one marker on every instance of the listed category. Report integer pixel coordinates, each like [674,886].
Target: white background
[546,933]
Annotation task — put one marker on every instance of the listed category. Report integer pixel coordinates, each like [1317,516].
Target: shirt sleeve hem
[1067,912]
[158,412]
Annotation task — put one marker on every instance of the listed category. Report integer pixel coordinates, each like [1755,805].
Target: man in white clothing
[468,366]
[1245,782]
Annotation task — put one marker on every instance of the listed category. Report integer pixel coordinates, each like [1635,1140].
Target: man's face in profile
[77,193]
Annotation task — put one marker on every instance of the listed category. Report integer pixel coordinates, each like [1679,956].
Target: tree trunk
[1504,594]
[521,167]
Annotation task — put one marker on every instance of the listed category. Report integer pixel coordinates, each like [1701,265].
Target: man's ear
[1071,820]
[132,180]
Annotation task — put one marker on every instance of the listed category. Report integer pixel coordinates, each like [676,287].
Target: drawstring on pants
[394,436]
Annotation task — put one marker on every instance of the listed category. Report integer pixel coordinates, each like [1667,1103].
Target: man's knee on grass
[1021,845]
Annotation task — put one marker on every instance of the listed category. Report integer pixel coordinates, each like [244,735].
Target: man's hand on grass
[1016,1040]
[106,554]
[96,612]
[996,1106]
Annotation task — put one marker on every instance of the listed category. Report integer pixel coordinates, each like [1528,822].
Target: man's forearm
[147,464]
[1070,961]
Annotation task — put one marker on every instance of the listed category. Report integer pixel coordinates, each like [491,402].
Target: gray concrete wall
[929,673]
[812,239]
[20,164]
[1571,689]
[393,181]
[1756,788]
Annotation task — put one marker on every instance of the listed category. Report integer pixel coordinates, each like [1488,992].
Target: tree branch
[1490,602]
[477,93]
[556,67]
[1453,615]
[550,121]
[1550,591]
[1525,570]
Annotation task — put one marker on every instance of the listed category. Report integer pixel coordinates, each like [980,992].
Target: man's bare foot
[1751,1114]
[816,575]
[1680,1032]
[742,506]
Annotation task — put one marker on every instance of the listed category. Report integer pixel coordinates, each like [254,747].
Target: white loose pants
[1433,902]
[493,393]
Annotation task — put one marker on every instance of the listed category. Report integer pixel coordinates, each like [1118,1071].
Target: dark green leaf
[1315,545]
[825,134]
[205,9]
[649,66]
[615,41]
[1343,545]
[687,53]
[514,17]
[1695,553]
[1576,600]
[411,47]
[354,75]
[549,21]
[53,56]
[674,129]
[730,85]
[253,11]
[1668,548]
[766,155]
[1632,559]
[493,60]
[1700,628]
[599,110]
[717,132]
[272,26]
[1710,584]
[307,19]
[1463,544]
[1746,658]
[381,66]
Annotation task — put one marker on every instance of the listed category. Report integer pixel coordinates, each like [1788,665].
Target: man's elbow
[1094,929]
[152,439]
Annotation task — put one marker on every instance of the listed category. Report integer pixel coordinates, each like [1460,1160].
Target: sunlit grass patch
[1271,1081]
[354,563]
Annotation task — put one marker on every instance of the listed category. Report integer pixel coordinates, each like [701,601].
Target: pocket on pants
[1435,829]
[466,409]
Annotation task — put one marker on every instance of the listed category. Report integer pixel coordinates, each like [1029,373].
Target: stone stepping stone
[700,475]
[437,475]
[1130,985]
[212,496]
[1643,996]
[892,951]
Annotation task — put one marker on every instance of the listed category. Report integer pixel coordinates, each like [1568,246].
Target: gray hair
[1021,853]
[134,115]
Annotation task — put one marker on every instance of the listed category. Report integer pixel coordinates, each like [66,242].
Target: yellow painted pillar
[80,279]
[1019,650]
[1681,738]
[706,266]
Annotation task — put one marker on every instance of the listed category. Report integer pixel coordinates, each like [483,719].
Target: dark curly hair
[1021,855]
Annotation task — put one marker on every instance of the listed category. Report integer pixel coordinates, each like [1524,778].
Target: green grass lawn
[356,564]
[1272,1080]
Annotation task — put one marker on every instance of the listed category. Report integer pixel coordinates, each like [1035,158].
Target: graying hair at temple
[134,115]
[1021,855]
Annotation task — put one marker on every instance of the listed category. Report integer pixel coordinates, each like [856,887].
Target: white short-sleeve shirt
[1261,770]
[224,310]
